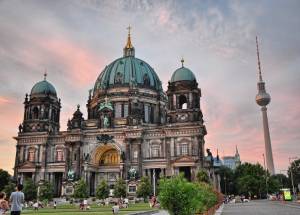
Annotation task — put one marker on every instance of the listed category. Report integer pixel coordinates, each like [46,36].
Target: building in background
[133,129]
[232,162]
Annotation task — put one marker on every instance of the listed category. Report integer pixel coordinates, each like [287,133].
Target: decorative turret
[77,120]
[42,109]
[184,96]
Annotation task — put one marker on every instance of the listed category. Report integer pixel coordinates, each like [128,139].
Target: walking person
[3,204]
[17,199]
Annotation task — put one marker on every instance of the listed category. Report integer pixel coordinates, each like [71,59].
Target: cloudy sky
[74,40]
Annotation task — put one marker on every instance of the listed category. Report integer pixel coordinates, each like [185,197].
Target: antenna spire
[258,61]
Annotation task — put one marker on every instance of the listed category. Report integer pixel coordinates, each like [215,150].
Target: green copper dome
[43,87]
[183,74]
[128,71]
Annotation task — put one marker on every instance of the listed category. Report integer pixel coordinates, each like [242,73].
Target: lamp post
[293,160]
[225,186]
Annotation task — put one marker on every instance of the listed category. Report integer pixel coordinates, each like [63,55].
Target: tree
[177,195]
[227,180]
[102,191]
[9,188]
[202,176]
[30,190]
[80,190]
[283,180]
[4,179]
[144,188]
[120,188]
[294,170]
[46,191]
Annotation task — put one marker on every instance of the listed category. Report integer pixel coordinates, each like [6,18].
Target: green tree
[227,180]
[178,196]
[4,178]
[294,170]
[80,190]
[206,197]
[251,180]
[9,188]
[144,188]
[283,180]
[102,191]
[120,188]
[46,191]
[30,190]
[202,176]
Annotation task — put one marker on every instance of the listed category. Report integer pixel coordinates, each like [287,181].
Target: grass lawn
[101,210]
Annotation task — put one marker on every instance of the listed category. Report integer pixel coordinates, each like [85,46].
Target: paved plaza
[262,207]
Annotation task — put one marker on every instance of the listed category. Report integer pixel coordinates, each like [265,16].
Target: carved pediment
[184,159]
[27,164]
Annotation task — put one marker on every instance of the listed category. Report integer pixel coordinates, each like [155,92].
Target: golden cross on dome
[129,28]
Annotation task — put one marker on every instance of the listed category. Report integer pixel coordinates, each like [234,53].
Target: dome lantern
[128,49]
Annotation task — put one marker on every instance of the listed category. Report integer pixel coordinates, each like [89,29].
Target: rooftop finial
[45,75]
[129,44]
[78,107]
[258,61]
[129,49]
[182,61]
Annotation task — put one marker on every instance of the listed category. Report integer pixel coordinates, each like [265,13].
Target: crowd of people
[17,201]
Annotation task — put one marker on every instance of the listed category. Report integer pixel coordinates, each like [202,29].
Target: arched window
[155,151]
[184,149]
[31,154]
[59,154]
[182,102]
[146,80]
[35,113]
[118,78]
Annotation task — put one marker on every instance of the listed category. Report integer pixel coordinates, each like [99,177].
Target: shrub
[30,190]
[120,188]
[46,191]
[80,190]
[102,191]
[144,188]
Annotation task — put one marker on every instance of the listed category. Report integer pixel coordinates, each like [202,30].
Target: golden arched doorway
[106,155]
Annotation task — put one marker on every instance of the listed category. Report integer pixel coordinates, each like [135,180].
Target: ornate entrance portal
[105,165]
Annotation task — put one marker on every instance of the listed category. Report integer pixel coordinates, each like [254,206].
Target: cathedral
[133,129]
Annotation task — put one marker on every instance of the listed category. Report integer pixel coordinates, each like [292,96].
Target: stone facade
[130,125]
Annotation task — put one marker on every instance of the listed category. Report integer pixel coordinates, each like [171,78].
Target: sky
[74,40]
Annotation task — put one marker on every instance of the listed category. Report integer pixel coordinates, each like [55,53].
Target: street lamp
[225,186]
[293,160]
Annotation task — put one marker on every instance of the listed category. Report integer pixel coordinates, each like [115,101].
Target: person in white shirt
[115,209]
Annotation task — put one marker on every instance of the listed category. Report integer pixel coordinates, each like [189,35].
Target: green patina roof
[131,71]
[43,87]
[183,74]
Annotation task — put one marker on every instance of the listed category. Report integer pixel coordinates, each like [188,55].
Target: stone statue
[105,122]
[132,173]
[20,128]
[71,175]
[69,125]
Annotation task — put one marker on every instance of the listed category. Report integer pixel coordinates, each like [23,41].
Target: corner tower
[263,99]
[184,97]
[42,109]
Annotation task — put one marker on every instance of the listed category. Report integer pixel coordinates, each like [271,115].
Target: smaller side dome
[43,87]
[183,74]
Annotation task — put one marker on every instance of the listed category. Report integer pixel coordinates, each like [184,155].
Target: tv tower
[263,99]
